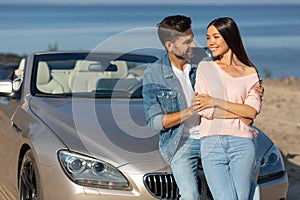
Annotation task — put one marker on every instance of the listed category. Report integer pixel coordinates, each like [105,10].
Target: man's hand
[259,89]
[247,121]
[195,105]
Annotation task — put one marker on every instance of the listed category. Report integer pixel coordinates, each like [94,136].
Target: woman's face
[215,42]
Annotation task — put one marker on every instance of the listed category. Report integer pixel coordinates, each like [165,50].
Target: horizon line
[147,4]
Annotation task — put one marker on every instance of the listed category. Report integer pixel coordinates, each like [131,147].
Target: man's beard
[185,56]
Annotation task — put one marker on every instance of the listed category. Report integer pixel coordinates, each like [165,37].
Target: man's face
[182,48]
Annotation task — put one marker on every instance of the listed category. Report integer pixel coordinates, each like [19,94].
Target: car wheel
[29,181]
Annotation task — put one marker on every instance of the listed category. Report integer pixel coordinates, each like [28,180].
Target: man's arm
[174,119]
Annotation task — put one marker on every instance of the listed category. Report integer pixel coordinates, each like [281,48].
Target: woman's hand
[205,101]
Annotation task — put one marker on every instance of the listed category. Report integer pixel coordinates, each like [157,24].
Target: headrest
[20,71]
[43,74]
[122,69]
[84,65]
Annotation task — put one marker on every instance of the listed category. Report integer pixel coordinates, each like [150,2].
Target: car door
[9,145]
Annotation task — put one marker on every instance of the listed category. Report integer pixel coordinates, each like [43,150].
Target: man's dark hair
[172,27]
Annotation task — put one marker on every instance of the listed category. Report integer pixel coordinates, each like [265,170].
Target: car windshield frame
[136,62]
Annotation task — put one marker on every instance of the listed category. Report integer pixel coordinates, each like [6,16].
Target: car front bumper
[275,189]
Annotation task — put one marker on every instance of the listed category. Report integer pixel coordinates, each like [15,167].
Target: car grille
[161,186]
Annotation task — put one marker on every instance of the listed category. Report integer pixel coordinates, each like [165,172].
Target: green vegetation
[53,47]
[267,73]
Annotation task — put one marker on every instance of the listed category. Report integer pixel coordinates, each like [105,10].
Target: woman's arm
[208,112]
[241,110]
[223,114]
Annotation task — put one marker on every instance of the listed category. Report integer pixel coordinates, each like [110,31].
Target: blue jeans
[228,163]
[184,168]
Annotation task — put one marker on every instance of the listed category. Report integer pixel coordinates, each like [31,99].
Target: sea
[271,33]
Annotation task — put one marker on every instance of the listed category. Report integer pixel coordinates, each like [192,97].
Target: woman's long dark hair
[230,32]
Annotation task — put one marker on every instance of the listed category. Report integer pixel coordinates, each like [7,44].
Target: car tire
[29,182]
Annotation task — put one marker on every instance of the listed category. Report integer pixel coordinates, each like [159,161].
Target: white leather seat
[121,72]
[82,79]
[18,75]
[45,83]
[20,71]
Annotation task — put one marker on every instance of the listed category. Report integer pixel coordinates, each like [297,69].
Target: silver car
[72,127]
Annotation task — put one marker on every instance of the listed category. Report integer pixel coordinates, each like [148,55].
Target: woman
[227,82]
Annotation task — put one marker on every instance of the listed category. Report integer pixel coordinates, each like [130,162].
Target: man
[170,105]
[168,93]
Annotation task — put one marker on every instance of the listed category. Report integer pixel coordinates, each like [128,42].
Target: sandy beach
[280,120]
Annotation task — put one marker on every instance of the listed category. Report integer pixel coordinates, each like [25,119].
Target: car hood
[113,130]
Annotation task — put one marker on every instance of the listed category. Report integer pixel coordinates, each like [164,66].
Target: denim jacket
[162,95]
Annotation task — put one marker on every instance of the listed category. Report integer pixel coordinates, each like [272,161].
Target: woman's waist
[234,127]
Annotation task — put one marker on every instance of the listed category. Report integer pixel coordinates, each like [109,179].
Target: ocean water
[271,33]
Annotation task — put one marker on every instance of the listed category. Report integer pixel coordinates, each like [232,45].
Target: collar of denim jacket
[166,67]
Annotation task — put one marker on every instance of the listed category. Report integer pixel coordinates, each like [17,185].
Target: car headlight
[271,165]
[87,171]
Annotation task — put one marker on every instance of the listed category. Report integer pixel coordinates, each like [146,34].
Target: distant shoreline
[14,59]
[10,58]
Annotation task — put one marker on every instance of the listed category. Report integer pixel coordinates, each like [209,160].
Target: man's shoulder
[156,67]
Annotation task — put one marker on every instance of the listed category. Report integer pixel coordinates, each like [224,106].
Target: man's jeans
[228,163]
[184,167]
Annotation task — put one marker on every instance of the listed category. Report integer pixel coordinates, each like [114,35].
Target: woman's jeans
[184,168]
[228,163]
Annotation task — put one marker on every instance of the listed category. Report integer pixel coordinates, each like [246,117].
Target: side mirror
[9,88]
[6,87]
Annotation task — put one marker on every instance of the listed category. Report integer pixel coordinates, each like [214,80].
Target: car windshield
[95,75]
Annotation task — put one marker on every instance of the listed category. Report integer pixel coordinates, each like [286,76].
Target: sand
[280,120]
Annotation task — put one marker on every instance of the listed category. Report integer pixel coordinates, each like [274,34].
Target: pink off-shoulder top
[211,79]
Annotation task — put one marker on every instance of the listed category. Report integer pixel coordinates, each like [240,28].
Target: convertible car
[72,127]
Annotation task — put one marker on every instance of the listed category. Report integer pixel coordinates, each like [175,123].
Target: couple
[221,95]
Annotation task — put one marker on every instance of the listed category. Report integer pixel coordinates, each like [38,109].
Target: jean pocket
[168,100]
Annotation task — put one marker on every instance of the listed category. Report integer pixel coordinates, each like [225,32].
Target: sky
[87,2]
